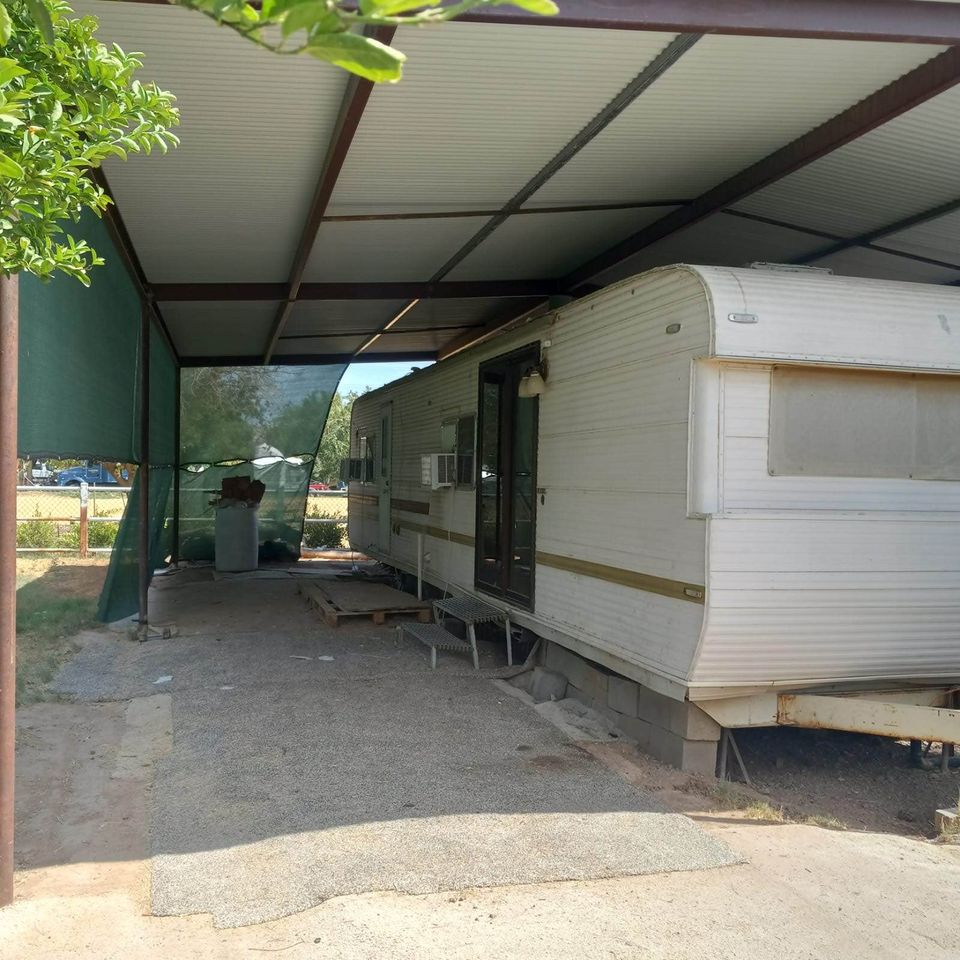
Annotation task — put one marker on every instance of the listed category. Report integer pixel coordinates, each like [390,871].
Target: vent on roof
[788,267]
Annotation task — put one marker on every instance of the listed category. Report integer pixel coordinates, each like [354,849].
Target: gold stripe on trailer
[676,589]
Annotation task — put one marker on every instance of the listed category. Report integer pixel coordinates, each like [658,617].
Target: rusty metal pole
[9,322]
[175,531]
[143,476]
[84,520]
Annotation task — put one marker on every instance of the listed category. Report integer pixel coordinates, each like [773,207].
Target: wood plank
[360,599]
[357,596]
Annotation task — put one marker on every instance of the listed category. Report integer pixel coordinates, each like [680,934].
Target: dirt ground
[806,892]
[879,889]
[864,782]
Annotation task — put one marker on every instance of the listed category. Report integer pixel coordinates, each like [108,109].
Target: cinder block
[679,716]
[622,695]
[581,673]
[699,756]
[692,756]
[547,685]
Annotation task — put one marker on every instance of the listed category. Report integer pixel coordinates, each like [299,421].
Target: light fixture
[533,382]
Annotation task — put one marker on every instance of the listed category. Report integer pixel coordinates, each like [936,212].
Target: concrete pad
[295,777]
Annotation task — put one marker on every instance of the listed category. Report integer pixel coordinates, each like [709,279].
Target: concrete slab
[294,777]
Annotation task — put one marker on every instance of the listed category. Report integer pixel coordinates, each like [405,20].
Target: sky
[362,376]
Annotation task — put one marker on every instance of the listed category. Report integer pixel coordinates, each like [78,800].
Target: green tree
[326,29]
[335,444]
[223,412]
[67,102]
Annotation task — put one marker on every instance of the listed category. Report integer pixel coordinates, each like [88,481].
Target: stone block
[547,685]
[692,756]
[622,695]
[581,673]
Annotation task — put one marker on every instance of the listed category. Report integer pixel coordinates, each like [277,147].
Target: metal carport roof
[310,217]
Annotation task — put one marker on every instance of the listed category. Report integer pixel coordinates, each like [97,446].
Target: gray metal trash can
[236,537]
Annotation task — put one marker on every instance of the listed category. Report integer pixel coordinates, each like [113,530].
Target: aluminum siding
[612,466]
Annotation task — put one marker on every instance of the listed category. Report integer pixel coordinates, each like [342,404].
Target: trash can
[236,536]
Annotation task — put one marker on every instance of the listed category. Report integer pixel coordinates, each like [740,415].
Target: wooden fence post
[84,523]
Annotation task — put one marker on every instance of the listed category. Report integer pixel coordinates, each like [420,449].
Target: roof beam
[305,359]
[898,226]
[351,111]
[891,21]
[652,72]
[459,214]
[895,21]
[841,241]
[448,290]
[913,88]
[124,245]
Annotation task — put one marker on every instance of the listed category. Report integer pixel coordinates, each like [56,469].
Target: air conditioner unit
[438,470]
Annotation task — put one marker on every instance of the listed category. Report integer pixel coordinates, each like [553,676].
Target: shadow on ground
[309,762]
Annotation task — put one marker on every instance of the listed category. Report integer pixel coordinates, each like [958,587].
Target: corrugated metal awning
[532,160]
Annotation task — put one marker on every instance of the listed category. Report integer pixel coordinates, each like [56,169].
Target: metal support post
[9,322]
[143,475]
[175,522]
[84,519]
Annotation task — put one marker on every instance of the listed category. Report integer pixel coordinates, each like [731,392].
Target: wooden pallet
[336,600]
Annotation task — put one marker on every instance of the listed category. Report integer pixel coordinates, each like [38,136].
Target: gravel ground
[295,777]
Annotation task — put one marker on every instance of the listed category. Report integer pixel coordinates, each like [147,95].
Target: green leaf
[363,56]
[306,16]
[41,17]
[9,168]
[389,8]
[546,8]
[6,26]
[9,69]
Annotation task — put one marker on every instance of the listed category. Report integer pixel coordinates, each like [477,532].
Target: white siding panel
[748,486]
[814,316]
[726,103]
[870,619]
[481,109]
[551,244]
[652,631]
[903,167]
[386,250]
[202,329]
[611,464]
[651,534]
[229,203]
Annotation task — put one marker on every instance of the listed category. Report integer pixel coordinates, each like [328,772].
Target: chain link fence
[73,519]
[84,519]
[325,523]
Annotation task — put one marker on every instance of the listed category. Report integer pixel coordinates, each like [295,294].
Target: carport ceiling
[310,217]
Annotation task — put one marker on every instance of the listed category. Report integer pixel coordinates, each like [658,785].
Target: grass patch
[822,820]
[761,810]
[731,796]
[55,601]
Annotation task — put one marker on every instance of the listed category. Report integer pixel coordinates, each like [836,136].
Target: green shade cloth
[261,422]
[80,398]
[78,359]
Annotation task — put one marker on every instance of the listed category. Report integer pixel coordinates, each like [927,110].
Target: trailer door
[384,477]
[507,485]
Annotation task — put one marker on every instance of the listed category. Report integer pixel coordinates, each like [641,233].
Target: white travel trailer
[724,485]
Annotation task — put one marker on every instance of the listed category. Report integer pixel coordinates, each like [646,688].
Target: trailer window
[853,423]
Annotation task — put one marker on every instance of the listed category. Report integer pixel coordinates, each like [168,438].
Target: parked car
[96,474]
[317,486]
